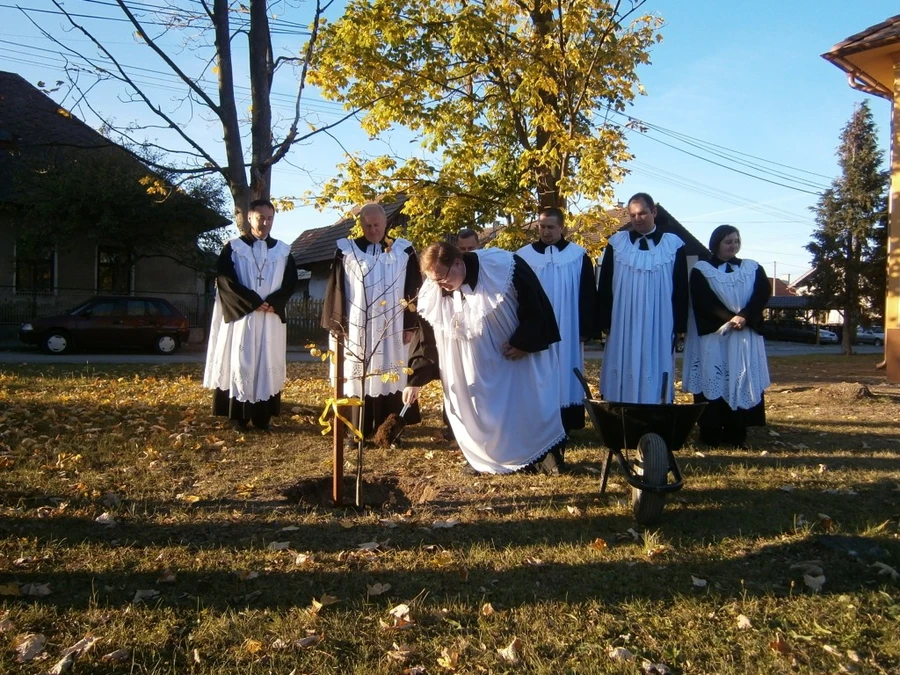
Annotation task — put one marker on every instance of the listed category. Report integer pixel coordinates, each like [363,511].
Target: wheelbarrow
[653,432]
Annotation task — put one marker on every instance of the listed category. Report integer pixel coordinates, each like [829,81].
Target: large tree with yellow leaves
[510,99]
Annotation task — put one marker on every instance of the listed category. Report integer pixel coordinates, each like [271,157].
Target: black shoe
[264,428]
[552,464]
[238,425]
[469,470]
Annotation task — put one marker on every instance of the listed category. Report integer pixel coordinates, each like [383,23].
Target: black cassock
[334,319]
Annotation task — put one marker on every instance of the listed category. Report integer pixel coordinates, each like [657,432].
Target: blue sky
[746,76]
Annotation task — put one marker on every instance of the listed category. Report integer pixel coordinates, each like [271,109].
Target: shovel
[389,431]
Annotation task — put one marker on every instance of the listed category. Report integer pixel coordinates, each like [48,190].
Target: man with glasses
[490,324]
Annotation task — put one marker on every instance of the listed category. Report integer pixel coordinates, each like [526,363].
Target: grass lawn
[131,516]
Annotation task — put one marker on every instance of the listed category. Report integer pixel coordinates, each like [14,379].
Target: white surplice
[373,291]
[639,350]
[246,357]
[728,364]
[504,413]
[559,272]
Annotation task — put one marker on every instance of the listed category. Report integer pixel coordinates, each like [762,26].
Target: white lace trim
[629,254]
[464,320]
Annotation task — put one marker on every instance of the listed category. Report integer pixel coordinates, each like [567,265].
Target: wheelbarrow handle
[584,384]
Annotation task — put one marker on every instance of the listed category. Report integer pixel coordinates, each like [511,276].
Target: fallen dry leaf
[83,646]
[743,622]
[698,582]
[400,611]
[324,601]
[302,559]
[620,654]
[118,655]
[6,624]
[651,668]
[599,544]
[167,577]
[779,645]
[247,575]
[885,569]
[28,646]
[64,665]
[445,524]
[487,609]
[278,546]
[448,659]
[814,582]
[106,518]
[144,595]
[510,653]
[658,550]
[535,562]
[35,590]
[575,511]
[252,646]
[400,653]
[377,589]
[308,641]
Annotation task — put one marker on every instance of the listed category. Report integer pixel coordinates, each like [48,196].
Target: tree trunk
[235,175]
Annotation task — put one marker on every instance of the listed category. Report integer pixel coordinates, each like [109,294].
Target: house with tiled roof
[36,132]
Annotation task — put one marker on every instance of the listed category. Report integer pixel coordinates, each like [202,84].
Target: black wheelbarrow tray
[654,432]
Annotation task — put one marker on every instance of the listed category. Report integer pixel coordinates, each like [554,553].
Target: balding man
[372,280]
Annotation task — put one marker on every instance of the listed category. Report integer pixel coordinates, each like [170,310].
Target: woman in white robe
[725,354]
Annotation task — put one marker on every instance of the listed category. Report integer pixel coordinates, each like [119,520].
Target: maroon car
[110,322]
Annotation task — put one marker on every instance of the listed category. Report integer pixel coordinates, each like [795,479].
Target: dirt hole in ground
[379,493]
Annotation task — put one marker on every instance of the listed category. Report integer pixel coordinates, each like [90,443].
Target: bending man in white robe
[490,324]
[567,276]
[247,349]
[642,304]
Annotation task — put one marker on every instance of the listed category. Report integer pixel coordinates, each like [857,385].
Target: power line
[719,164]
[701,188]
[681,135]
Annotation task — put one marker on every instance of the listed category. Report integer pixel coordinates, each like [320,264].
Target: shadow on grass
[766,571]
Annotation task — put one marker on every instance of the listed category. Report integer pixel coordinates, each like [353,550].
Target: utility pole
[774,276]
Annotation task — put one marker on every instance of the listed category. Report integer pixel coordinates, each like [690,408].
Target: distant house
[314,249]
[35,130]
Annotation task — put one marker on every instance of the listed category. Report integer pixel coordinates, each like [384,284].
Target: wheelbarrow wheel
[652,466]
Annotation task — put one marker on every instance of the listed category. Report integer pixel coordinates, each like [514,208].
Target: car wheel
[878,342]
[56,342]
[165,344]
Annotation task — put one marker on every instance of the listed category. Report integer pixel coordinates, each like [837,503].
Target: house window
[36,272]
[113,270]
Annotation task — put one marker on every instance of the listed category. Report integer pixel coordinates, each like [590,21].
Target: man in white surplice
[373,279]
[567,276]
[642,305]
[490,324]
[246,352]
